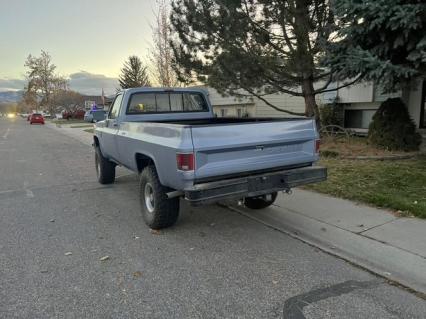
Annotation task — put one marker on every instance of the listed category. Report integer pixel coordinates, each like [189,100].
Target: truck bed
[227,120]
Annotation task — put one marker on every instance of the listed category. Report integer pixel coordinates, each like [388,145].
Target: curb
[383,158]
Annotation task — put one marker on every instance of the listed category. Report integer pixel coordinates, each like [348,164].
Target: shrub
[331,114]
[392,128]
[329,154]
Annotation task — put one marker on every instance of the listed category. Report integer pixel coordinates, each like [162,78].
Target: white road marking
[6,134]
[8,191]
[29,192]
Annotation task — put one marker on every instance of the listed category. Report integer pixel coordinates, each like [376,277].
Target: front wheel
[158,211]
[260,202]
[105,169]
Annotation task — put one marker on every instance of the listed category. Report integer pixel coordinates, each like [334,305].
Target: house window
[223,112]
[358,118]
[239,113]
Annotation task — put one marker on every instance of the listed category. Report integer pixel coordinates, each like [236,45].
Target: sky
[89,40]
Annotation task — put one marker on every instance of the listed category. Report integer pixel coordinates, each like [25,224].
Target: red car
[36,118]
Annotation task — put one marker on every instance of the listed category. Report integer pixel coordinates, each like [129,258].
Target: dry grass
[397,185]
[352,146]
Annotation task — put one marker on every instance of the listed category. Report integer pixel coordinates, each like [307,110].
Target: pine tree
[258,47]
[133,74]
[382,40]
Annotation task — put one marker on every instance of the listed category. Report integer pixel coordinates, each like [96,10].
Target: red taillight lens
[185,162]
[317,146]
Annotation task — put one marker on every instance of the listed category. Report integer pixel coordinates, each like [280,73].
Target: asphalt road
[214,263]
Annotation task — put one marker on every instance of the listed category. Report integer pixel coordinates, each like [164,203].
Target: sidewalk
[77,133]
[375,239]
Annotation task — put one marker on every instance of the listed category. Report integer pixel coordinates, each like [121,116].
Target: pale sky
[88,39]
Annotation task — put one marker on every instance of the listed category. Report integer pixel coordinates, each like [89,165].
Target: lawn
[396,185]
[353,146]
[81,126]
[70,121]
[89,130]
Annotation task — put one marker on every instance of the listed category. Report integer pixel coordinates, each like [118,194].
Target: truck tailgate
[245,147]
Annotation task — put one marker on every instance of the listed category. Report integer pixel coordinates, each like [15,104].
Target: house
[91,100]
[229,106]
[359,102]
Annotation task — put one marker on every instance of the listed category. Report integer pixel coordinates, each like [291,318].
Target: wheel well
[143,161]
[95,141]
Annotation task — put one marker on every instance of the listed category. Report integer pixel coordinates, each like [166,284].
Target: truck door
[109,139]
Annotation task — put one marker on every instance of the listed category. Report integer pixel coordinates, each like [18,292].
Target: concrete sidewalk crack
[372,227]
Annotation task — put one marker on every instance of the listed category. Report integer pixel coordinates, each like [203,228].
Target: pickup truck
[173,140]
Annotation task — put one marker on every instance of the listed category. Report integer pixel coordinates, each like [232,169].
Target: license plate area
[267,182]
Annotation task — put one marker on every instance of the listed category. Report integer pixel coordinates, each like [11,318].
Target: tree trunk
[311,107]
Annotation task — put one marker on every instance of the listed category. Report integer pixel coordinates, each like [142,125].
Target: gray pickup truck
[172,138]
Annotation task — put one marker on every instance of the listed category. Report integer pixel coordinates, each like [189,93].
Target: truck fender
[143,160]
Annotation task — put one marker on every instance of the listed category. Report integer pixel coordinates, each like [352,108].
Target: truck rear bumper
[254,185]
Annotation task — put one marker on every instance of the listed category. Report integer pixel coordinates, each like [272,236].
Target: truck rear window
[166,102]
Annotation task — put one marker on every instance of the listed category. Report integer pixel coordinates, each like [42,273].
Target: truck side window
[115,108]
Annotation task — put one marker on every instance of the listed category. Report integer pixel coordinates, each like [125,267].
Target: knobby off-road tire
[260,202]
[105,169]
[157,210]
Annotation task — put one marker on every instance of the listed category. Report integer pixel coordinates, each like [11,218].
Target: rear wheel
[260,202]
[105,169]
[158,211]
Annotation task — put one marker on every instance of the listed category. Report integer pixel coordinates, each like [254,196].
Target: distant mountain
[10,96]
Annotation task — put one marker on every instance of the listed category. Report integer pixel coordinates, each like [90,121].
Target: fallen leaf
[137,274]
[155,231]
[52,220]
[274,282]
[104,258]
[44,271]
[68,253]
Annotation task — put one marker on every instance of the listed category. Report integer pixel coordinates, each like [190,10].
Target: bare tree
[161,54]
[29,98]
[42,78]
[68,99]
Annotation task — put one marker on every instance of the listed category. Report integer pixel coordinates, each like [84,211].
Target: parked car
[37,118]
[77,114]
[46,115]
[94,116]
[181,150]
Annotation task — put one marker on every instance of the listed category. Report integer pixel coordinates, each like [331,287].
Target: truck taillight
[185,161]
[317,146]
